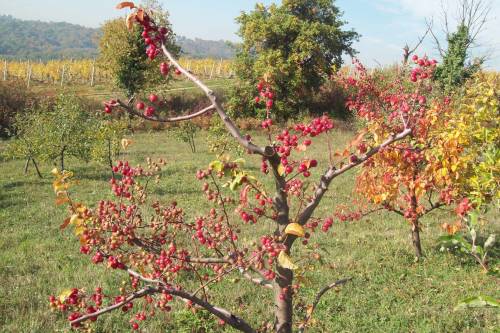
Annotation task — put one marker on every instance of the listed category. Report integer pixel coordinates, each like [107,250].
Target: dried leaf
[65,224]
[126,143]
[140,14]
[130,20]
[244,195]
[301,147]
[125,4]
[295,229]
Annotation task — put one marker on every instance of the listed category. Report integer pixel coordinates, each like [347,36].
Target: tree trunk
[62,159]
[110,160]
[283,301]
[36,168]
[415,235]
[26,165]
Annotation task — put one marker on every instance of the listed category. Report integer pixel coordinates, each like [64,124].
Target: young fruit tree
[157,247]
[402,178]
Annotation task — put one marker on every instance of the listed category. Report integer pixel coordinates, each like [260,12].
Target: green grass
[389,292]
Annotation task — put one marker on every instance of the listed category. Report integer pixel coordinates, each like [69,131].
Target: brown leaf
[125,4]
[130,20]
[301,147]
[244,195]
[140,14]
[65,224]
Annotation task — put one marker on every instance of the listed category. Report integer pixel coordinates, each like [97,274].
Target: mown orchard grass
[389,292]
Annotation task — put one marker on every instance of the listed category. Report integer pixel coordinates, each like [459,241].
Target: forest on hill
[37,40]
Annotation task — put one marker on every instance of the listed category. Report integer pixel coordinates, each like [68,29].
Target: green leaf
[477,302]
[240,161]
[474,217]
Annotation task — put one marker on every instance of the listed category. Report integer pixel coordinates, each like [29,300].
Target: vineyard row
[87,71]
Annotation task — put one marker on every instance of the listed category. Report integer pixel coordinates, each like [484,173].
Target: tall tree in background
[457,63]
[123,52]
[294,47]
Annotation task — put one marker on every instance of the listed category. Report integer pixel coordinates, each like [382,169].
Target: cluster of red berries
[289,141]
[121,188]
[109,105]
[424,70]
[76,301]
[153,36]
[149,110]
[327,224]
[265,94]
[413,156]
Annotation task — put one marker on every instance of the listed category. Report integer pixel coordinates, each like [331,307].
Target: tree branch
[231,127]
[138,294]
[132,111]
[260,281]
[318,298]
[159,287]
[333,173]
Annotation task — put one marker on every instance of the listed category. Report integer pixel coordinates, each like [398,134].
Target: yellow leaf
[281,170]
[79,230]
[75,219]
[65,294]
[125,4]
[285,261]
[55,172]
[295,229]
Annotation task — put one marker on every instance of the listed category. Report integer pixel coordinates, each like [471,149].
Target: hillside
[36,39]
[20,39]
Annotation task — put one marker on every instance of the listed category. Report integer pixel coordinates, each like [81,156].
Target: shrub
[15,98]
[293,47]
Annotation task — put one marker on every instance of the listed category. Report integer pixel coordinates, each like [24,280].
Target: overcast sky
[385,25]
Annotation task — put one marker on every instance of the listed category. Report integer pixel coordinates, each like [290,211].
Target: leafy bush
[66,126]
[293,47]
[15,98]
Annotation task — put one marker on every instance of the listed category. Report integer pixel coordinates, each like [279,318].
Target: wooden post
[220,68]
[212,71]
[30,68]
[92,74]
[62,75]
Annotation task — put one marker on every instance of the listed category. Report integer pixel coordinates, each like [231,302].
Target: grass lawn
[389,291]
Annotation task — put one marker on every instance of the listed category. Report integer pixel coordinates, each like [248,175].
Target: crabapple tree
[398,178]
[155,244]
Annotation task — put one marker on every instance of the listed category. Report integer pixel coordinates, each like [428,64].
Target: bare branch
[260,281]
[132,111]
[436,40]
[159,287]
[318,298]
[138,294]
[231,127]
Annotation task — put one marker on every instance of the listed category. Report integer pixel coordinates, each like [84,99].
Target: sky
[385,25]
